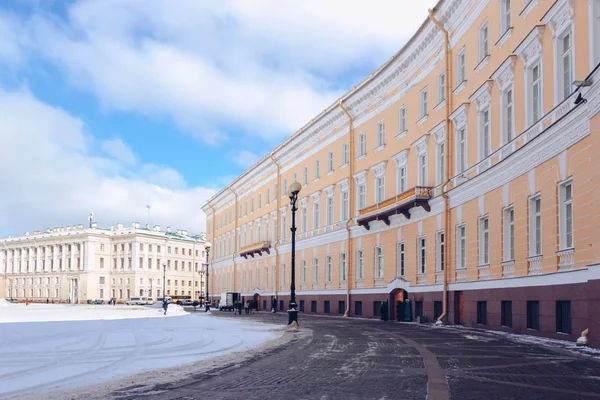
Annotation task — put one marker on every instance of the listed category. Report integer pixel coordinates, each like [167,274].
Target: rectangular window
[441,87]
[313,306]
[328,268]
[380,133]
[482,312]
[533,315]
[566,47]
[378,262]
[506,313]
[326,307]
[379,189]
[362,196]
[304,219]
[317,169]
[422,254]
[267,196]
[294,180]
[377,308]
[566,215]
[330,161]
[441,172]
[485,139]
[440,251]
[341,306]
[423,103]
[343,267]
[460,68]
[535,226]
[536,94]
[509,234]
[438,309]
[461,147]
[315,270]
[360,265]
[505,16]
[303,271]
[345,153]
[362,144]
[483,41]
[423,170]
[284,188]
[418,309]
[274,191]
[329,210]
[401,180]
[563,316]
[402,120]
[316,215]
[507,99]
[358,308]
[283,227]
[301,305]
[401,260]
[484,241]
[305,175]
[345,206]
[101,262]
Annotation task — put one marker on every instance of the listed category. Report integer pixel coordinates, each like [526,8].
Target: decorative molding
[379,168]
[560,16]
[459,116]
[482,96]
[484,61]
[566,259]
[344,184]
[534,265]
[439,132]
[508,269]
[505,74]
[328,191]
[505,36]
[530,49]
[528,7]
[401,158]
[460,87]
[360,177]
[420,145]
[303,202]
[316,196]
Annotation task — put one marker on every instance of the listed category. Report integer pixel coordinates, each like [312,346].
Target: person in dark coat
[165,306]
[274,305]
[384,310]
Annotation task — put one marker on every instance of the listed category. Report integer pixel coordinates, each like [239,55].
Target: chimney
[156,228]
[94,225]
[168,229]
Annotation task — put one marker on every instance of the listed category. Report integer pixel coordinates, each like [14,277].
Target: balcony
[400,204]
[256,248]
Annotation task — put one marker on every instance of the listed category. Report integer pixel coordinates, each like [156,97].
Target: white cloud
[51,177]
[245,158]
[119,150]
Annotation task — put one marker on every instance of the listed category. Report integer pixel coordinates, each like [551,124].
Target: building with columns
[459,182]
[75,264]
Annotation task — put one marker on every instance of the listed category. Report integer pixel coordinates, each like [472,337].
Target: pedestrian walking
[274,305]
[47,301]
[165,306]
[26,302]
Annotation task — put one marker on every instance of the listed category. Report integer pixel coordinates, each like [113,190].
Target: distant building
[462,175]
[75,264]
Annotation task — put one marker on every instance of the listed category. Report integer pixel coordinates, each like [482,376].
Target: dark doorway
[459,308]
[257,301]
[377,309]
[438,308]
[397,299]
[281,305]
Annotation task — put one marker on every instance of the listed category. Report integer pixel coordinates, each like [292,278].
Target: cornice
[439,132]
[559,17]
[360,177]
[482,96]
[530,49]
[379,169]
[459,116]
[504,76]
[420,145]
[401,158]
[344,184]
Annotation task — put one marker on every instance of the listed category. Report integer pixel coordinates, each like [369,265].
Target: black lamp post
[293,307]
[164,281]
[206,302]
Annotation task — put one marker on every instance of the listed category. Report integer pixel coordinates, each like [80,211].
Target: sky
[108,106]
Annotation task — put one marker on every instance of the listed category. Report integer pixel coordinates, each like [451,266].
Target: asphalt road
[335,358]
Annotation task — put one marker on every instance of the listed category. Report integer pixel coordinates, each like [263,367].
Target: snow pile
[40,357]
[174,310]
[4,303]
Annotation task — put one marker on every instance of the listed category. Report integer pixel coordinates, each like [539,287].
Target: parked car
[98,302]
[187,303]
[141,300]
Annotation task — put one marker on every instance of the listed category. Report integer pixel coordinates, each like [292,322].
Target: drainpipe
[234,235]
[212,259]
[449,149]
[350,205]
[277,219]
[583,340]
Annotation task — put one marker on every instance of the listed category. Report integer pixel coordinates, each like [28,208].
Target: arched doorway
[256,299]
[397,307]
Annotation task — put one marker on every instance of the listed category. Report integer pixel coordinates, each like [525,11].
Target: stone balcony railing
[484,271]
[534,265]
[461,275]
[256,248]
[439,277]
[418,196]
[508,269]
[565,259]
[421,279]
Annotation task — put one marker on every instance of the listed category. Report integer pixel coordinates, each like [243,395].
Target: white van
[142,300]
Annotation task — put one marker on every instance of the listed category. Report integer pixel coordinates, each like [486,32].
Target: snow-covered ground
[45,347]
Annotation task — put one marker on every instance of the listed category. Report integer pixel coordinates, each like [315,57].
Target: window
[441,87]
[460,68]
[438,309]
[315,270]
[402,120]
[535,226]
[505,17]
[566,215]
[423,103]
[275,191]
[362,144]
[418,309]
[441,163]
[563,316]
[362,196]
[422,254]
[484,241]
[506,313]
[329,211]
[301,305]
[509,234]
[326,307]
[102,280]
[343,267]
[341,306]
[483,41]
[507,116]
[378,262]
[533,315]
[283,226]
[317,172]
[303,271]
[345,153]
[536,94]
[284,188]
[316,215]
[485,146]
[461,150]
[377,308]
[282,275]
[305,175]
[101,262]
[304,219]
[423,170]
[380,133]
[482,312]
[267,196]
[566,65]
[360,264]
[330,161]
[313,306]
[358,308]
[328,268]
[401,260]
[245,208]
[440,251]
[379,189]
[401,180]
[259,200]
[345,206]
[294,178]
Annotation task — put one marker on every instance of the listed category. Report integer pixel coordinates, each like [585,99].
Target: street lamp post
[206,302]
[164,280]
[293,307]
[151,288]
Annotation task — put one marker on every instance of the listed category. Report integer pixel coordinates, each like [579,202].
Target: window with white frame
[565,77]
[509,234]
[483,41]
[535,226]
[362,144]
[441,87]
[275,191]
[401,179]
[485,143]
[330,161]
[440,251]
[343,267]
[379,189]
[423,103]
[461,150]
[344,153]
[267,233]
[283,274]
[565,193]
[360,264]
[251,205]
[317,169]
[484,241]
[304,219]
[423,170]
[505,16]
[305,175]
[422,255]
[303,271]
[283,226]
[380,133]
[507,115]
[461,247]
[441,162]
[461,75]
[245,208]
[401,259]
[284,188]
[362,196]
[329,210]
[294,180]
[535,97]
[315,270]
[316,215]
[402,120]
[345,206]
[378,262]
[328,268]
[259,200]
[258,231]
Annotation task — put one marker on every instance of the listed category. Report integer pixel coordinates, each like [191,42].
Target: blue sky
[109,105]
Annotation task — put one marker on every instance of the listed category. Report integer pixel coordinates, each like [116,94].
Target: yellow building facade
[458,182]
